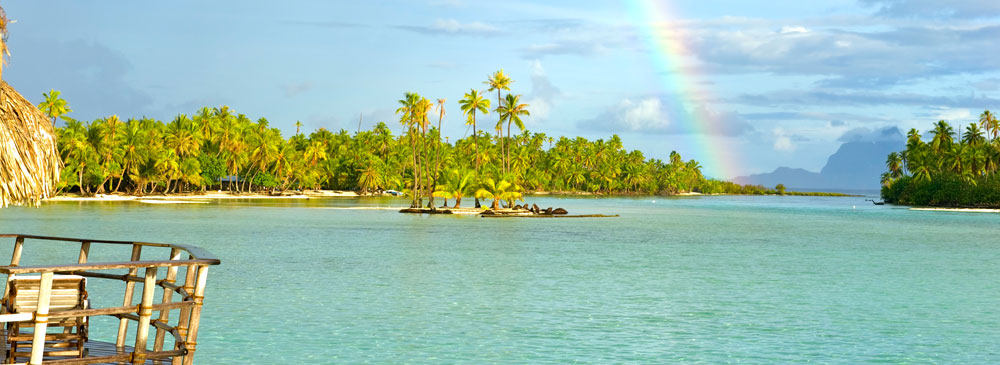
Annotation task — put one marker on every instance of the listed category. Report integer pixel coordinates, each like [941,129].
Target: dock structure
[179,274]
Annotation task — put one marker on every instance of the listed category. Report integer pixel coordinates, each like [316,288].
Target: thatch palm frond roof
[29,161]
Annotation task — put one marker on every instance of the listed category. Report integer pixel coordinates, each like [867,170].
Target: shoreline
[964,210]
[187,198]
[195,198]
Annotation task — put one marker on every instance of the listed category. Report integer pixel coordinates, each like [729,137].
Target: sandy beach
[967,210]
[196,198]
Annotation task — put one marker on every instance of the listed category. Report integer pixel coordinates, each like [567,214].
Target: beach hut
[29,161]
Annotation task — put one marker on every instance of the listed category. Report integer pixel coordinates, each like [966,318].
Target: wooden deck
[182,278]
[94,349]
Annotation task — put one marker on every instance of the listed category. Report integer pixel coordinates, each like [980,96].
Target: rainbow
[667,44]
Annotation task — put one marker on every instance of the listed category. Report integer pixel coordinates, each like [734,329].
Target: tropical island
[219,148]
[951,170]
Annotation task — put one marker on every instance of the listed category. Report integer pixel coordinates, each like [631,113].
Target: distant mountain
[856,165]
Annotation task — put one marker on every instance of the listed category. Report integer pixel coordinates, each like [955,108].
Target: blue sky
[791,79]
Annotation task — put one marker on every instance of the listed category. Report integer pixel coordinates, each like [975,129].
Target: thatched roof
[29,161]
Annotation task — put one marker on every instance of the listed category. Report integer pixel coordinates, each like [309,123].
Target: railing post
[185,316]
[168,294]
[41,318]
[84,252]
[145,314]
[129,289]
[199,299]
[15,259]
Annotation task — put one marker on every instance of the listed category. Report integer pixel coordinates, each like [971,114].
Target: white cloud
[794,29]
[782,140]
[954,114]
[454,26]
[543,92]
[644,114]
[663,115]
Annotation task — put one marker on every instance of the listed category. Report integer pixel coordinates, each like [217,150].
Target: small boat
[875,202]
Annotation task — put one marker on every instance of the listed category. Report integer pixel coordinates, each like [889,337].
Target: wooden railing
[193,261]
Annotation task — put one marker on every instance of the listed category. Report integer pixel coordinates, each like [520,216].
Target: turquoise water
[701,279]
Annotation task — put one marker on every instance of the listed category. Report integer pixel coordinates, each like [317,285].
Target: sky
[742,86]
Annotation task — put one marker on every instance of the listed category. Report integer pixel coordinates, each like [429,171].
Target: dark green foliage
[945,190]
[212,168]
[947,171]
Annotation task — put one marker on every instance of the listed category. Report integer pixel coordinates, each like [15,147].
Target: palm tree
[437,155]
[470,104]
[408,111]
[895,165]
[990,124]
[370,178]
[458,185]
[499,191]
[943,136]
[498,81]
[511,112]
[298,125]
[973,136]
[53,105]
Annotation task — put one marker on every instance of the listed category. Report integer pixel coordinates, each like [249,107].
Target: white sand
[164,201]
[356,208]
[967,210]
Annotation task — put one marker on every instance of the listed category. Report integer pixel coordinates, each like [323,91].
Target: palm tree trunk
[475,149]
[507,156]
[437,160]
[79,174]
[416,171]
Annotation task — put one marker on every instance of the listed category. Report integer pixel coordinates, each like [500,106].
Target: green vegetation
[947,171]
[218,148]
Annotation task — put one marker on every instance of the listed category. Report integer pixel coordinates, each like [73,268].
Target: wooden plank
[194,251]
[101,266]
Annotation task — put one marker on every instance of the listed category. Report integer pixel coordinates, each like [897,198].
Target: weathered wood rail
[190,293]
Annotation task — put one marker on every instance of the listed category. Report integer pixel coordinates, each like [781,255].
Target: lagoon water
[699,279]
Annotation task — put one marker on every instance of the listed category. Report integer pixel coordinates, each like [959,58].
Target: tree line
[954,168]
[218,148]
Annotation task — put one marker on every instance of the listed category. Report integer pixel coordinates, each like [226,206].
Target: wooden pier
[183,275]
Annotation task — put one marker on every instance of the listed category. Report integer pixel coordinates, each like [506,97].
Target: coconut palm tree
[990,124]
[437,154]
[371,178]
[973,136]
[895,165]
[511,112]
[458,185]
[470,104]
[409,111]
[53,105]
[498,81]
[499,191]
[943,136]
